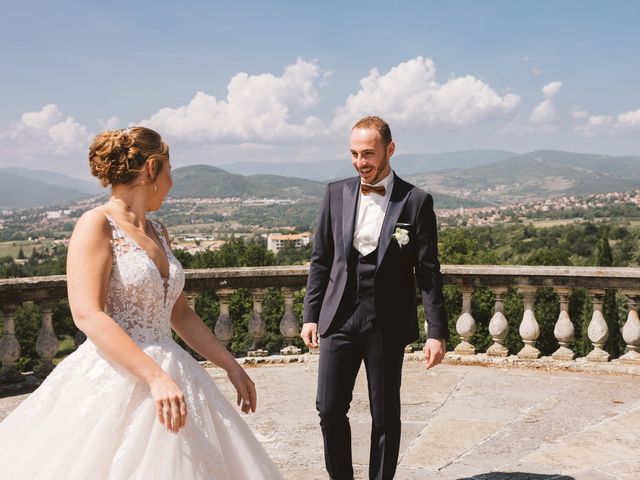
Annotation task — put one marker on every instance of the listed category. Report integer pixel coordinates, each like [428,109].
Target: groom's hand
[309,334]
[434,351]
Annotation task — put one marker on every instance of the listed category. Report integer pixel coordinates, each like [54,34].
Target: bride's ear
[150,169]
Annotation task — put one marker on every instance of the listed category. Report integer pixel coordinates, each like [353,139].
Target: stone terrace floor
[460,422]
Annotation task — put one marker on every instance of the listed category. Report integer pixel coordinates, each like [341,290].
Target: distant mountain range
[26,188]
[203,181]
[472,178]
[537,175]
[403,164]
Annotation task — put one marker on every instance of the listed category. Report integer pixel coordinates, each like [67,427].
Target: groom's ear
[391,148]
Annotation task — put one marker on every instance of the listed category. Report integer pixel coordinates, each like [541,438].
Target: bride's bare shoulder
[93,226]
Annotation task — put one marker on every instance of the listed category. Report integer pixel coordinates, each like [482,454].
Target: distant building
[276,241]
[54,214]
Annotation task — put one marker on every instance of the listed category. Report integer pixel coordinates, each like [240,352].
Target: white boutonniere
[402,236]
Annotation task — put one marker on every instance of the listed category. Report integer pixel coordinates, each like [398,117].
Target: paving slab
[459,422]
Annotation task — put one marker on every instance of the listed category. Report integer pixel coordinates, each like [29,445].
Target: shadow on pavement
[518,476]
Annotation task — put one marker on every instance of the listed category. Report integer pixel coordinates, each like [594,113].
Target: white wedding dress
[92,420]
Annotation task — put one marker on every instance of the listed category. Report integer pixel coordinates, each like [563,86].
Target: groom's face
[369,155]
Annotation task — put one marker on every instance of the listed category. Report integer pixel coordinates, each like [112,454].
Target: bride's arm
[186,323]
[88,270]
[198,336]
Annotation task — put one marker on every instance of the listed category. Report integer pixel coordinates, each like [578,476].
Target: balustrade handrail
[48,290]
[606,277]
[53,287]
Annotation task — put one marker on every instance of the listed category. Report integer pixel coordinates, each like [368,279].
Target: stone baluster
[498,326]
[224,324]
[47,342]
[529,329]
[598,330]
[564,330]
[9,348]
[191,299]
[289,327]
[466,325]
[631,330]
[257,325]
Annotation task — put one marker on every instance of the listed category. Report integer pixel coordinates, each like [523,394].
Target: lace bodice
[138,298]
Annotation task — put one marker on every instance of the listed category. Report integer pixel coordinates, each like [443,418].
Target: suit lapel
[399,196]
[349,204]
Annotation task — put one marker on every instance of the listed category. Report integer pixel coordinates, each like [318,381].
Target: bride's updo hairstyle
[118,156]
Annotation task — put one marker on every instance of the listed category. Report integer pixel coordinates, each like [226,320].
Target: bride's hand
[170,403]
[245,388]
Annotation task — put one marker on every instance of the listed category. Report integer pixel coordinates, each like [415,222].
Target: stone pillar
[498,326]
[9,348]
[564,329]
[47,342]
[257,325]
[631,330]
[191,300]
[289,327]
[224,324]
[529,329]
[598,330]
[466,325]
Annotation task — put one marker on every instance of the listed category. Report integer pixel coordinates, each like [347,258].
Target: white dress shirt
[370,216]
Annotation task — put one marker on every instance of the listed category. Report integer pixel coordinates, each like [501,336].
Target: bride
[130,403]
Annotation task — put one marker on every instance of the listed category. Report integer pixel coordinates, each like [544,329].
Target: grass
[12,248]
[65,347]
[553,223]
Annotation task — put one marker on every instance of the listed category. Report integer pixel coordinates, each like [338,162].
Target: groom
[375,239]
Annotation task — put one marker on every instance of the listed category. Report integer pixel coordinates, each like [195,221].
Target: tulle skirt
[91,419]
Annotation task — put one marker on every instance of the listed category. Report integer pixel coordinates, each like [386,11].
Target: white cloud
[579,113]
[257,108]
[545,112]
[629,119]
[410,95]
[609,125]
[43,119]
[596,124]
[68,136]
[551,89]
[37,135]
[112,123]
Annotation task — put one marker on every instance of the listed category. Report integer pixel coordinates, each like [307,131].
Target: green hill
[203,181]
[20,192]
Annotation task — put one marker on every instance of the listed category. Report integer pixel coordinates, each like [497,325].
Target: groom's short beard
[383,168]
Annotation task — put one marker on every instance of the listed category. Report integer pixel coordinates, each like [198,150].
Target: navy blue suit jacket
[398,269]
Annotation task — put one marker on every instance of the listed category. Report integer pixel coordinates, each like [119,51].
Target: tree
[604,258]
[28,319]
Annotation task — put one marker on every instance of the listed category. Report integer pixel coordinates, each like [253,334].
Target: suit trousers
[341,354]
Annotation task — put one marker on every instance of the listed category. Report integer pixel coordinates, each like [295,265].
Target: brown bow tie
[367,189]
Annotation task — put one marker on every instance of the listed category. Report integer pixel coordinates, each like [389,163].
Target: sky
[284,81]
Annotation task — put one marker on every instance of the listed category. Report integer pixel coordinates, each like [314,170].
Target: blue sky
[283,80]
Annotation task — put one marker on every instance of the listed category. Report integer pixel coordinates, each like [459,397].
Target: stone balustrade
[48,291]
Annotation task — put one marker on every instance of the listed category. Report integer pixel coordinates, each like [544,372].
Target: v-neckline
[138,246]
